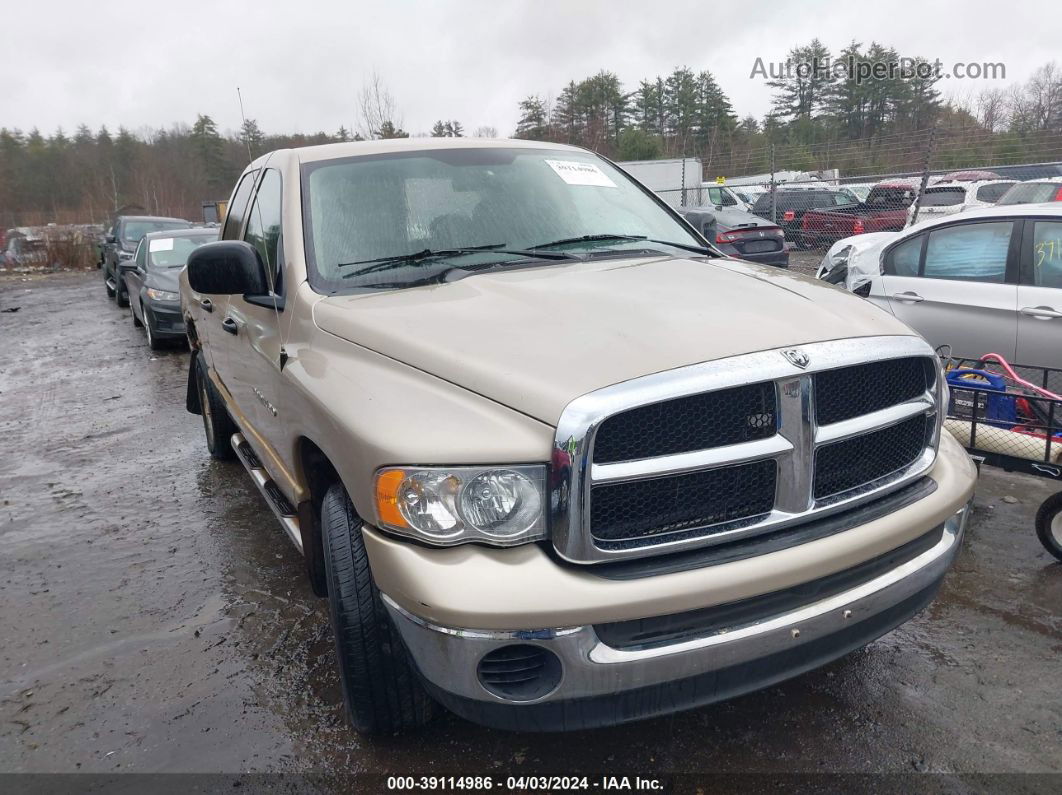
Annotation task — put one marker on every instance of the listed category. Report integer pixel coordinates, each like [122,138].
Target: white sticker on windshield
[161,244]
[576,173]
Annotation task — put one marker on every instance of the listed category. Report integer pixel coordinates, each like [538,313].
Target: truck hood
[535,339]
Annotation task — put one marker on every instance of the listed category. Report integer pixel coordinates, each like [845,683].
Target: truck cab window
[234,218]
[263,223]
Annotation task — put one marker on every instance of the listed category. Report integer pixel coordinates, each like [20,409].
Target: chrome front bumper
[790,643]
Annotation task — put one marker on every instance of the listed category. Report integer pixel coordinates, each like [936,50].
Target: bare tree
[992,109]
[486,132]
[1038,104]
[377,108]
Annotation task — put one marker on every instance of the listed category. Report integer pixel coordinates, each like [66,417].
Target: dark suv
[792,203]
[120,245]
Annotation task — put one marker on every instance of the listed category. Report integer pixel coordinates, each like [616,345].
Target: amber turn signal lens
[387,484]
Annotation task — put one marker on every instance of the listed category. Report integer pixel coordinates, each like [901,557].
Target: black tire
[380,689]
[156,344]
[217,424]
[132,312]
[121,297]
[1049,524]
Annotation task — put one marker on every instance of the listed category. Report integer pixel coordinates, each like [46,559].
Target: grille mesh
[851,463]
[646,509]
[697,422]
[851,391]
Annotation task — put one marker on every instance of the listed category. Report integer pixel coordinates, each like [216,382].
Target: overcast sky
[301,64]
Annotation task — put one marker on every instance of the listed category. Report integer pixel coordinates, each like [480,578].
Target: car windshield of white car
[394,207]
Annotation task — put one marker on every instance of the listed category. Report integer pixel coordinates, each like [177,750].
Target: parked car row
[986,280]
[890,206]
[142,258]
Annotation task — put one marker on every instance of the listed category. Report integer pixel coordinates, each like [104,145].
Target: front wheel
[121,297]
[380,689]
[154,342]
[1049,524]
[217,424]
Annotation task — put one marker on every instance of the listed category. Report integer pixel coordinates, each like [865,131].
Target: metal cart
[1011,417]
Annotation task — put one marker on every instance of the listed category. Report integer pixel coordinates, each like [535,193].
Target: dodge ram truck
[553,461]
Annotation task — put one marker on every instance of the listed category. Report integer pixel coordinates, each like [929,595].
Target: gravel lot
[153,617]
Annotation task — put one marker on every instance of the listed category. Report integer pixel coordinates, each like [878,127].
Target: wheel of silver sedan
[1049,524]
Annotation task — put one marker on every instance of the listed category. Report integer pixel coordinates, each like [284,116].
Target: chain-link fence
[821,192]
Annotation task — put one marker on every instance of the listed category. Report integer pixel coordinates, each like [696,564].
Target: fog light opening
[519,672]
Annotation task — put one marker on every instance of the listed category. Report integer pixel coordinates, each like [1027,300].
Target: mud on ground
[153,617]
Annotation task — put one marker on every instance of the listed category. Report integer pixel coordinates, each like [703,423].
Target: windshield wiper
[625,238]
[383,263]
[387,263]
[586,239]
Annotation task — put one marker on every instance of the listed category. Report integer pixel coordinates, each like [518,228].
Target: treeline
[822,116]
[88,176]
[819,119]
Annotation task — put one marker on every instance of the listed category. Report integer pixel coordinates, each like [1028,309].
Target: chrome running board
[274,497]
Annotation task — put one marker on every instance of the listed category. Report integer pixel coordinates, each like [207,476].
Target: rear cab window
[264,225]
[238,206]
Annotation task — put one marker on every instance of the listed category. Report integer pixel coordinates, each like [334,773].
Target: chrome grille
[777,445]
[634,512]
[697,422]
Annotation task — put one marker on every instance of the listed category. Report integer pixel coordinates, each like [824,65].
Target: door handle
[230,325]
[206,304]
[1040,312]
[910,298]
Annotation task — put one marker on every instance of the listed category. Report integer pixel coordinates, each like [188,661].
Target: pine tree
[210,152]
[251,136]
[388,130]
[533,119]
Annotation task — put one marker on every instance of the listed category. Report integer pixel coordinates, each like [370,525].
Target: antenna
[243,118]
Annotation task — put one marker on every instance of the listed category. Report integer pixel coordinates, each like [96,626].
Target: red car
[884,210]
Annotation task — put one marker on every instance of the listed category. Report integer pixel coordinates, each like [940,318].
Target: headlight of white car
[498,505]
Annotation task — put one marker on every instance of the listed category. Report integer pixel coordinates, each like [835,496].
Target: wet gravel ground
[153,617]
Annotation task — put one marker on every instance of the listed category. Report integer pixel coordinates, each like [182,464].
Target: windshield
[991,193]
[133,231]
[172,252]
[369,208]
[943,197]
[1032,193]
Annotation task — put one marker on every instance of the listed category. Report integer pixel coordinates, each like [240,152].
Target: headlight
[162,295]
[501,505]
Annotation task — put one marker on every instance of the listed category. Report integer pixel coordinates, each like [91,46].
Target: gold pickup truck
[553,460]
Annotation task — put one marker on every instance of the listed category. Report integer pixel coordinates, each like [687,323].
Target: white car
[948,198]
[983,281]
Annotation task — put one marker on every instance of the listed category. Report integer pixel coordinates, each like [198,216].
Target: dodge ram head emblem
[797,357]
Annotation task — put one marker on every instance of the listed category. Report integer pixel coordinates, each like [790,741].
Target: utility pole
[774,204]
[930,149]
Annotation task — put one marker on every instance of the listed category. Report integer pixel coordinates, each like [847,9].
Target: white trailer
[676,181]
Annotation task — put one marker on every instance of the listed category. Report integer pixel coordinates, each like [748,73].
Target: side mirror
[227,267]
[126,265]
[111,239]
